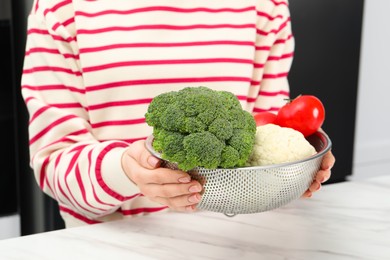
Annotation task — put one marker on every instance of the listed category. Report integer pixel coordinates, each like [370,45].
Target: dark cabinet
[326,64]
[38,212]
[8,191]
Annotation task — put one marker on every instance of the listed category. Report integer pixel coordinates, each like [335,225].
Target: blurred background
[341,56]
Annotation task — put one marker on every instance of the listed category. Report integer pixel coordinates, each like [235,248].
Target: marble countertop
[348,220]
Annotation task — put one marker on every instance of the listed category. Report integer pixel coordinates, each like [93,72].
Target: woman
[92,68]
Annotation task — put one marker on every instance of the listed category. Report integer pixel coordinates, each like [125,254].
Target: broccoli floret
[229,157]
[242,141]
[201,149]
[200,127]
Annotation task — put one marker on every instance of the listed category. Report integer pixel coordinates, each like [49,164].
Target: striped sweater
[92,67]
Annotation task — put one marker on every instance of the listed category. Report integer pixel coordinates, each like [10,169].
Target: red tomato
[305,114]
[264,118]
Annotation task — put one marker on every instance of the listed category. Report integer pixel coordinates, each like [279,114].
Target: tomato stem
[289,100]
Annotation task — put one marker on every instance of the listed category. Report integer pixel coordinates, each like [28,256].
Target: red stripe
[129,141]
[255,83]
[56,163]
[64,24]
[247,99]
[258,65]
[141,210]
[58,159]
[37,113]
[42,173]
[118,122]
[272,94]
[55,26]
[165,81]
[166,27]
[38,31]
[36,6]
[99,176]
[279,3]
[54,87]
[62,191]
[242,98]
[63,139]
[72,163]
[68,22]
[281,41]
[269,17]
[275,31]
[50,68]
[163,45]
[57,6]
[28,99]
[82,189]
[50,126]
[263,48]
[271,109]
[67,138]
[78,216]
[166,62]
[67,105]
[93,186]
[166,9]
[55,37]
[77,148]
[51,51]
[275,76]
[39,50]
[284,56]
[51,190]
[120,103]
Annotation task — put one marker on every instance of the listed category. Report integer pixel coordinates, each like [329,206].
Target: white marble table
[343,221]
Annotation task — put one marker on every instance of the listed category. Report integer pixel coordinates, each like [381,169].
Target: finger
[323,176]
[167,176]
[307,194]
[138,152]
[315,186]
[159,176]
[328,161]
[171,190]
[138,155]
[191,208]
[180,203]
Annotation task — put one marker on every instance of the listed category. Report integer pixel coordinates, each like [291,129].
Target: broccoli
[200,127]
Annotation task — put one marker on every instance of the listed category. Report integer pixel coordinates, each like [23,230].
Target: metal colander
[256,189]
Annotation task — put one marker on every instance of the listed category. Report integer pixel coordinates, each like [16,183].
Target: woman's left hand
[322,175]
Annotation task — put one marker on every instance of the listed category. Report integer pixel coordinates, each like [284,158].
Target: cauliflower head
[275,144]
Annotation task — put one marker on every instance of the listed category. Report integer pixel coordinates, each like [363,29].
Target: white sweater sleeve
[273,59]
[70,165]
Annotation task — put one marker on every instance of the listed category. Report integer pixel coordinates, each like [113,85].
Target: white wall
[372,139]
[9,227]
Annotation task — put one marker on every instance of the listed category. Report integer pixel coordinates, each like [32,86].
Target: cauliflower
[275,144]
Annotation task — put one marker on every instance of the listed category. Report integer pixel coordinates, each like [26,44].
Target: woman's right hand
[172,188]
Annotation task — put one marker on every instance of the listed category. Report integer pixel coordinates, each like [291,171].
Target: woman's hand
[323,174]
[172,188]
